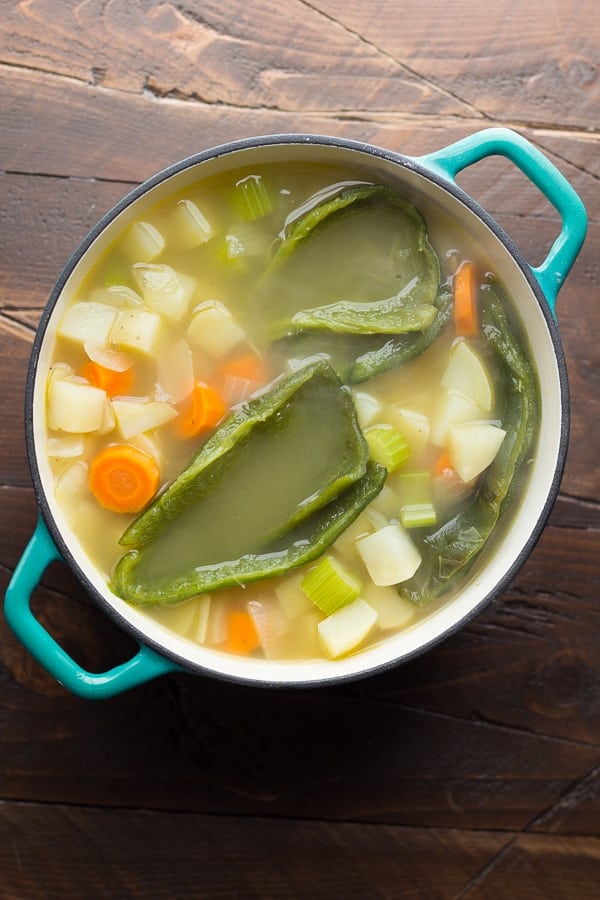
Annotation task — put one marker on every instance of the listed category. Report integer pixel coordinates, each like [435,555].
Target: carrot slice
[242,637]
[465,289]
[202,410]
[123,478]
[442,464]
[248,366]
[114,383]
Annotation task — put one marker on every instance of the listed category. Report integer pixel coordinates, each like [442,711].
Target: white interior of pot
[513,534]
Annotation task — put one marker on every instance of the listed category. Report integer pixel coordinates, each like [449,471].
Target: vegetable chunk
[236,543]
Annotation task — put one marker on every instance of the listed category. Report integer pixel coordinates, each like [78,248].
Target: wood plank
[435,742]
[66,851]
[530,63]
[62,851]
[215,53]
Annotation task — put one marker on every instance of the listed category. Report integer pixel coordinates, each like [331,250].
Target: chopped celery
[245,240]
[251,198]
[387,446]
[330,586]
[416,502]
[420,515]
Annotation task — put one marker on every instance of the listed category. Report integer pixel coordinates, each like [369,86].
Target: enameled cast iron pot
[430,182]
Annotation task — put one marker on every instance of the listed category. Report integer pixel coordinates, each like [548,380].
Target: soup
[285,413]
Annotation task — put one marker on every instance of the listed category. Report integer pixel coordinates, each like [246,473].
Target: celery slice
[251,198]
[416,500]
[330,586]
[387,446]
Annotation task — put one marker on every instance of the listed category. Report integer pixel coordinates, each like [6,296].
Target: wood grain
[472,771]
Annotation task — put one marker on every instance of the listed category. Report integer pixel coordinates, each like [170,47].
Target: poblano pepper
[270,489]
[452,548]
[356,262]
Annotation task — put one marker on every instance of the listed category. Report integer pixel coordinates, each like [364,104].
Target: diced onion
[115,360]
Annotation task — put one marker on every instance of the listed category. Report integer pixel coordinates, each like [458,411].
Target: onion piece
[115,360]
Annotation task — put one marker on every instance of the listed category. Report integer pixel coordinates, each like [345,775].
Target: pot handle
[39,553]
[450,160]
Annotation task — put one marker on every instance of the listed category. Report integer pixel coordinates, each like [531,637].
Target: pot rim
[447,185]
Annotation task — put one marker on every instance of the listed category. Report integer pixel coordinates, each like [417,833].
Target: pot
[430,182]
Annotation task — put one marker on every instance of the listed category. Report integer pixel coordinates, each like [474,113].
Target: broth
[222,292]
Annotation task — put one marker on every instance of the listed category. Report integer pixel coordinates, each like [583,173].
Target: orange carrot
[200,411]
[465,289]
[242,637]
[248,366]
[123,478]
[442,465]
[114,383]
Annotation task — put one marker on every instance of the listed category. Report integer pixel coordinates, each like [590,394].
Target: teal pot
[430,182]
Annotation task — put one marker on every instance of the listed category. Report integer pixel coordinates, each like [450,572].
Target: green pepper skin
[454,546]
[306,543]
[212,457]
[390,310]
[360,357]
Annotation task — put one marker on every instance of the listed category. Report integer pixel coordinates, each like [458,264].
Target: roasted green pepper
[364,256]
[452,548]
[236,503]
[357,358]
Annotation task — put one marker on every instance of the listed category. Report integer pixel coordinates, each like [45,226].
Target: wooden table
[473,771]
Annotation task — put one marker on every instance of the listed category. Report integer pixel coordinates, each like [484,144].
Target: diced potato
[466,372]
[473,446]
[164,290]
[367,407]
[412,425]
[192,225]
[176,372]
[65,446]
[139,330]
[453,408]
[292,599]
[143,241]
[76,406]
[214,329]
[345,629]
[389,555]
[137,416]
[393,611]
[88,321]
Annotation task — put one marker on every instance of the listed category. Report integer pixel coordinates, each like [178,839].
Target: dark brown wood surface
[473,771]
